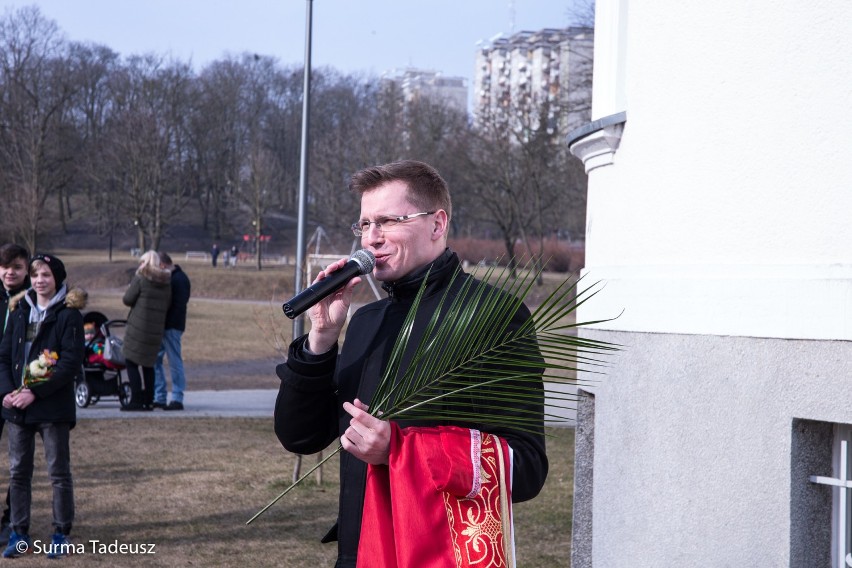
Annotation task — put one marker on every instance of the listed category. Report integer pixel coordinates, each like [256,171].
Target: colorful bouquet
[39,370]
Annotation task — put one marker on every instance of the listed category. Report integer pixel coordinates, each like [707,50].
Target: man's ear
[439,225]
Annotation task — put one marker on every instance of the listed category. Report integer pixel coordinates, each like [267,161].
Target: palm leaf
[470,351]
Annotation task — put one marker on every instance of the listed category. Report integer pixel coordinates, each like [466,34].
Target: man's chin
[384,274]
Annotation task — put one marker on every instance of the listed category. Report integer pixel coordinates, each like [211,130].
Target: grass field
[188,485]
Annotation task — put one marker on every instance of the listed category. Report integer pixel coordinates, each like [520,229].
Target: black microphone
[361,262]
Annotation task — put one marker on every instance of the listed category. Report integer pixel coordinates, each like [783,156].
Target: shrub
[561,256]
[476,250]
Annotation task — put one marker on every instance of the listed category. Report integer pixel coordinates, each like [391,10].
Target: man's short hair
[427,190]
[166,259]
[11,252]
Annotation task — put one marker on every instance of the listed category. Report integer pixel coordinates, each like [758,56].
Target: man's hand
[9,399]
[329,315]
[367,438]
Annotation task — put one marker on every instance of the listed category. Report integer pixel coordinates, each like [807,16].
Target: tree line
[138,143]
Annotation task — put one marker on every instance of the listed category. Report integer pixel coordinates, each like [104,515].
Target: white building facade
[720,218]
[527,69]
[416,84]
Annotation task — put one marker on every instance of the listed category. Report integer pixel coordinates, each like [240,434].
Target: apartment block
[520,77]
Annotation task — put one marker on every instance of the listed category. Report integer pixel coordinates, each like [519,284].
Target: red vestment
[444,500]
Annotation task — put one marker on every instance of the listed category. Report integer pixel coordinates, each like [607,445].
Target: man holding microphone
[326,390]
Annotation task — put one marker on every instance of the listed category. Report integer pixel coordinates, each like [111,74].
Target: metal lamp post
[298,323]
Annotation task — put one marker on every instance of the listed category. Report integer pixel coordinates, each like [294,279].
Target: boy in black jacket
[15,278]
[40,355]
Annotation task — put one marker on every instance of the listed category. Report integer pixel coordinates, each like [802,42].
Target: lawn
[189,485]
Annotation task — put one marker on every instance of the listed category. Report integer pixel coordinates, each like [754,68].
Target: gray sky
[367,36]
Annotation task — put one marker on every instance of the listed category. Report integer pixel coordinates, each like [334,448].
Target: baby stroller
[101,374]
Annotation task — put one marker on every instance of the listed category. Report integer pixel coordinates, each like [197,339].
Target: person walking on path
[40,357]
[214,253]
[171,346]
[148,297]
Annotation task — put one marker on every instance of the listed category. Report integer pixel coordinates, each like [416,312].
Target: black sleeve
[529,463]
[306,407]
[181,289]
[7,384]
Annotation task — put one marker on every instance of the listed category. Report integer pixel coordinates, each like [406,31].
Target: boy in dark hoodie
[14,275]
[14,279]
[40,356]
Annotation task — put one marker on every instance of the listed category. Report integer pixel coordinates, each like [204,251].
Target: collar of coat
[75,298]
[440,270]
[155,274]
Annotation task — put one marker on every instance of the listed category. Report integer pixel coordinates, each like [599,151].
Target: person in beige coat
[148,296]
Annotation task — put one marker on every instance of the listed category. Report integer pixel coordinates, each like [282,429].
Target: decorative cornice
[595,143]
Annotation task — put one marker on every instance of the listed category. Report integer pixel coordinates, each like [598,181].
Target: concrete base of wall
[695,461]
[584,454]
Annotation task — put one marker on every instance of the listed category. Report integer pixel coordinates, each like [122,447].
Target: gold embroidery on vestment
[482,540]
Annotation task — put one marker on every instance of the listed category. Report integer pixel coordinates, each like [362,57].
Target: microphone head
[365,260]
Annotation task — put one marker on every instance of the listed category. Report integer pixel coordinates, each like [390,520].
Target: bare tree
[239,102]
[386,125]
[283,131]
[256,192]
[147,147]
[521,181]
[92,107]
[582,13]
[35,72]
[343,136]
[495,189]
[433,130]
[218,135]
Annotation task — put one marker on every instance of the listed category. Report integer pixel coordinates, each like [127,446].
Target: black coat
[176,316]
[62,332]
[309,414]
[5,296]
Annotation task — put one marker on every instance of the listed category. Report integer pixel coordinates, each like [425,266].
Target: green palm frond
[477,362]
[470,352]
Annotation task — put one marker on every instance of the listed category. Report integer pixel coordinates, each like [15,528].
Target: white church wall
[722,230]
[732,177]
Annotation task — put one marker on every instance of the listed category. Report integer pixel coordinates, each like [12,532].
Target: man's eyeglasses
[384,223]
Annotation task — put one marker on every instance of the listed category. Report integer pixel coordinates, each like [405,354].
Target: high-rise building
[529,73]
[432,85]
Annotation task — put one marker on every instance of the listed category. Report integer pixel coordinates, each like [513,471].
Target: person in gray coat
[148,296]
